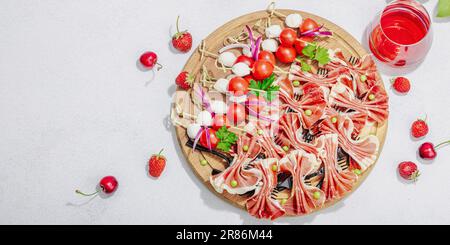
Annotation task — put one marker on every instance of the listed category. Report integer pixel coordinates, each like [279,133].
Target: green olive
[363,78]
[285,148]
[296,83]
[234,183]
[283,201]
[371,96]
[260,131]
[203,162]
[316,195]
[308,112]
[334,119]
[274,167]
[357,171]
[245,148]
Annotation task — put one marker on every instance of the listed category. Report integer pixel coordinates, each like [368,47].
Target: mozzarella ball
[241,69]
[221,85]
[273,31]
[204,118]
[227,59]
[192,130]
[270,45]
[219,107]
[294,20]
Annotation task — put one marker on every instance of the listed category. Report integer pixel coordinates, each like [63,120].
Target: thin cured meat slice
[310,105]
[301,201]
[359,119]
[374,104]
[269,148]
[296,74]
[289,132]
[336,181]
[244,178]
[250,143]
[363,151]
[261,204]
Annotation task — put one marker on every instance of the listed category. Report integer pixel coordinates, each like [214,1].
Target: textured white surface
[74,107]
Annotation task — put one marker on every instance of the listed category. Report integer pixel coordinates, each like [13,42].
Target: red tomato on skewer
[212,138]
[286,54]
[245,59]
[262,69]
[266,55]
[238,86]
[287,37]
[301,43]
[308,25]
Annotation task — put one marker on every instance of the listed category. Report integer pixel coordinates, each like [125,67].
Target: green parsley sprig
[226,139]
[317,53]
[265,87]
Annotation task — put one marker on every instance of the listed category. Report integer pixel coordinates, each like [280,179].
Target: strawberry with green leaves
[182,40]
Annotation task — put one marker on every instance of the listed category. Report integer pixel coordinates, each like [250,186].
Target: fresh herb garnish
[265,87]
[317,53]
[227,139]
[305,66]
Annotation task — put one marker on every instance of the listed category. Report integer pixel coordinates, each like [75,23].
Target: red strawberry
[156,164]
[184,80]
[419,128]
[401,84]
[409,171]
[182,41]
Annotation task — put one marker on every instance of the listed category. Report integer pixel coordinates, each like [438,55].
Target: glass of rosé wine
[401,35]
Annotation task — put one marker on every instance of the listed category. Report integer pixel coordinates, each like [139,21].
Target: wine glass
[401,35]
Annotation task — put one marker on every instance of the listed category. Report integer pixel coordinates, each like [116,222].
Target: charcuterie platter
[286,113]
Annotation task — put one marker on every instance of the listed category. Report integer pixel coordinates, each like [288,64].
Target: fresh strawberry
[156,164]
[401,84]
[409,171]
[182,41]
[184,80]
[419,128]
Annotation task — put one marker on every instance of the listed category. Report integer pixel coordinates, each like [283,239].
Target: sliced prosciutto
[336,181]
[311,102]
[245,179]
[301,201]
[364,151]
[289,133]
[261,204]
[374,104]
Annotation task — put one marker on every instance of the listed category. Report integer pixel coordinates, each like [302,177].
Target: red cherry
[428,151]
[108,184]
[149,60]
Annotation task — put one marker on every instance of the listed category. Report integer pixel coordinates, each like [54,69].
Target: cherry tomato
[286,54]
[266,55]
[256,103]
[301,43]
[220,121]
[287,37]
[307,25]
[238,86]
[236,113]
[249,78]
[245,59]
[212,138]
[262,69]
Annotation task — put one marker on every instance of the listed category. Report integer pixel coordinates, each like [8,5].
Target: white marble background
[74,107]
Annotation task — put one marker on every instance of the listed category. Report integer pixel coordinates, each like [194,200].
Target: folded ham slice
[239,172]
[289,132]
[310,105]
[296,74]
[375,107]
[363,151]
[301,201]
[336,182]
[261,204]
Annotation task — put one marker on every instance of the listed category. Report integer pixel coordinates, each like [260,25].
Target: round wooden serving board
[340,39]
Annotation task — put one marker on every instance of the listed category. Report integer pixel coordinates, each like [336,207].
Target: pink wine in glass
[401,35]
